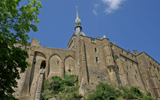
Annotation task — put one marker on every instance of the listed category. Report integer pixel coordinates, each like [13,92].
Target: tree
[105,91]
[64,89]
[15,22]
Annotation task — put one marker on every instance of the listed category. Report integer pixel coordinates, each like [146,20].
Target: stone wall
[93,60]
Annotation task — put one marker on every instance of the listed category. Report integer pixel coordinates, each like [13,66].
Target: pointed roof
[104,37]
[78,27]
[77,19]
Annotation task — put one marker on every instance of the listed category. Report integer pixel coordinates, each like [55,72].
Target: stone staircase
[40,85]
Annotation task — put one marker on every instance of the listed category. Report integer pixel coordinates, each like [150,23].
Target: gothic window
[93,40]
[96,59]
[95,49]
[43,65]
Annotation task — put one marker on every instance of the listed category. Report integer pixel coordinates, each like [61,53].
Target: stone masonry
[93,60]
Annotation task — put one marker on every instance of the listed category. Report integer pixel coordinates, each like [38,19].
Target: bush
[66,88]
[105,91]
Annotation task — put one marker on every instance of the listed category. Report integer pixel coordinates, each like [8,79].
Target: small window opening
[57,62]
[122,52]
[111,47]
[19,46]
[69,70]
[98,76]
[153,66]
[136,71]
[127,67]
[96,59]
[93,40]
[43,65]
[135,77]
[27,49]
[132,57]
[157,69]
[150,64]
[127,54]
[125,59]
[95,49]
[117,68]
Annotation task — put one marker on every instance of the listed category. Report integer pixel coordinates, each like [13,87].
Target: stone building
[93,60]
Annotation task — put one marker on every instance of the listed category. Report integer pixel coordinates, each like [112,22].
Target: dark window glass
[96,59]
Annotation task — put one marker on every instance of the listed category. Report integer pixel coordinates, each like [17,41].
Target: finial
[78,21]
[77,14]
[114,42]
[134,52]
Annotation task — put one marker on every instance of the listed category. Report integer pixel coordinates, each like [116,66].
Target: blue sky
[133,24]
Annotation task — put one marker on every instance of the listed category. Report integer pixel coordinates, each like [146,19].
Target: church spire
[78,21]
[78,28]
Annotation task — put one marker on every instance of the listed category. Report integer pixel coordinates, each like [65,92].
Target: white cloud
[94,12]
[96,5]
[112,5]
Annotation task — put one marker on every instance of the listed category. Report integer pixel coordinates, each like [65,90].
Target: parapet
[35,42]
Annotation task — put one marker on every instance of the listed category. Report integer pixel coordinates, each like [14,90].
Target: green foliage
[15,22]
[105,91]
[66,88]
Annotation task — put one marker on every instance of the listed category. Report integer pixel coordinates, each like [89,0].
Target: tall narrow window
[96,59]
[95,49]
[117,68]
[127,54]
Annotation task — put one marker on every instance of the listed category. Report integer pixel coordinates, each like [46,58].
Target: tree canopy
[15,22]
[64,89]
[105,91]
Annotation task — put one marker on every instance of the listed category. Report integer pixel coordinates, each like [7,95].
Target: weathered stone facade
[93,60]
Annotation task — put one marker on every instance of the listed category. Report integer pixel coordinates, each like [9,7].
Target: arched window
[43,65]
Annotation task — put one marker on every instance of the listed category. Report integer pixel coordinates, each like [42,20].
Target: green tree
[64,89]
[105,91]
[15,22]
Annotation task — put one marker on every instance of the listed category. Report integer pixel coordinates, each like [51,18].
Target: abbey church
[93,60]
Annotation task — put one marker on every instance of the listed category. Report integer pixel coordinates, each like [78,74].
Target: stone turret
[109,60]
